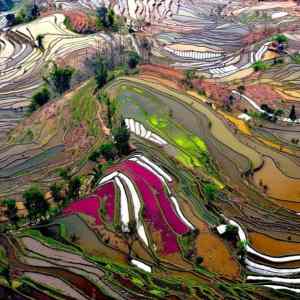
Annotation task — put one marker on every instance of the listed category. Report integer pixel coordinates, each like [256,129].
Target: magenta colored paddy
[152,212]
[107,193]
[89,206]
[165,203]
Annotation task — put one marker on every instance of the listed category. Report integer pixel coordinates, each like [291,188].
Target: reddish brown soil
[78,138]
[80,21]
[263,93]
[164,71]
[77,59]
[258,35]
[163,75]
[216,91]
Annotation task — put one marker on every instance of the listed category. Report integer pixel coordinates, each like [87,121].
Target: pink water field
[158,210]
[107,193]
[90,205]
[158,190]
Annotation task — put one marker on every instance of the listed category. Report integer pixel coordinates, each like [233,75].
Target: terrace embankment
[189,112]
[273,247]
[279,186]
[254,204]
[217,256]
[61,133]
[23,64]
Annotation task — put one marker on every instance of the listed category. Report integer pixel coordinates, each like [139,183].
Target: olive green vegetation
[36,234]
[192,151]
[217,127]
[148,282]
[260,66]
[84,108]
[69,25]
[248,18]
[296,58]
[107,20]
[39,98]
[210,191]
[280,38]
[3,257]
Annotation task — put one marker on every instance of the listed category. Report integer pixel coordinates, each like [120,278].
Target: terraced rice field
[187,117]
[281,187]
[22,63]
[161,122]
[205,204]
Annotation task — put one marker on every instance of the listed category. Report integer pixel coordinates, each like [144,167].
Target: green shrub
[210,191]
[259,66]
[68,24]
[280,38]
[296,58]
[231,232]
[39,99]
[133,59]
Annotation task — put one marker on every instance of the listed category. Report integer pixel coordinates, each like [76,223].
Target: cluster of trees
[295,141]
[26,14]
[69,25]
[118,147]
[36,204]
[105,17]
[231,234]
[210,191]
[39,40]
[100,69]
[259,66]
[108,20]
[39,98]
[189,75]
[281,43]
[133,59]
[104,73]
[110,151]
[59,82]
[272,115]
[229,101]
[280,39]
[60,78]
[110,107]
[293,115]
[68,190]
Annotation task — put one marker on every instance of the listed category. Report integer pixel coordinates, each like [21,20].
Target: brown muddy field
[279,186]
[273,247]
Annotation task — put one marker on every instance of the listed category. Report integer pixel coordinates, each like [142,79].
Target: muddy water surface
[280,187]
[217,257]
[273,247]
